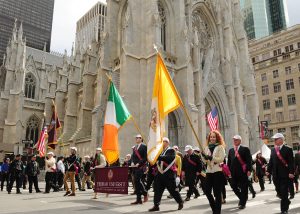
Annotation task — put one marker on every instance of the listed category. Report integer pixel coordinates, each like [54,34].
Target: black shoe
[46,192]
[170,196]
[137,202]
[30,191]
[153,209]
[292,196]
[8,192]
[253,195]
[284,212]
[197,196]
[67,193]
[180,206]
[38,191]
[241,207]
[262,190]
[19,193]
[187,199]
[82,190]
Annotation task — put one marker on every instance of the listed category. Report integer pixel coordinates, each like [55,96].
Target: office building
[36,17]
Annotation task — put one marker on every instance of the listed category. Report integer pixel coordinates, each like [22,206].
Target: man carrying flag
[164,100]
[53,127]
[115,117]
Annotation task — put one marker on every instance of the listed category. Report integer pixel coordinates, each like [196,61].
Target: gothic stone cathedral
[204,47]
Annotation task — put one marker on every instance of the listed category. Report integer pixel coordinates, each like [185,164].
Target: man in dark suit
[166,176]
[281,166]
[191,168]
[297,170]
[240,164]
[139,164]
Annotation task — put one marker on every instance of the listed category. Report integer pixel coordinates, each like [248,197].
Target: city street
[35,203]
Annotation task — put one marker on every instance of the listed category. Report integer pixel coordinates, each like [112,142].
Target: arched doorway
[173,129]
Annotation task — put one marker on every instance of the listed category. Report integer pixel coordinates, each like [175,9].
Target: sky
[68,12]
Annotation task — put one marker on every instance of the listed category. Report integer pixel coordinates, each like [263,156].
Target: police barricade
[112,180]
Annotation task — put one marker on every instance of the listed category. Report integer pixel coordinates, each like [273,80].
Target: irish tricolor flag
[115,117]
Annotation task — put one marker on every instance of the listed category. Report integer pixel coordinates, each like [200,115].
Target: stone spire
[45,47]
[72,50]
[14,33]
[4,59]
[20,32]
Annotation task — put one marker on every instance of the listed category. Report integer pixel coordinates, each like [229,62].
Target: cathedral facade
[205,50]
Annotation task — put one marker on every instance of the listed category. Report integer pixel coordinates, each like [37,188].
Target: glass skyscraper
[36,16]
[277,15]
[263,17]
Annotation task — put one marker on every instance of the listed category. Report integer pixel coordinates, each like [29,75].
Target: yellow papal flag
[165,99]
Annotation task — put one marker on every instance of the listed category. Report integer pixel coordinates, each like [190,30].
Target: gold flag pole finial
[155,48]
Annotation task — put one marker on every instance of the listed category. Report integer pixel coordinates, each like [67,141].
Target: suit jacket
[142,151]
[167,157]
[235,165]
[260,171]
[276,167]
[191,169]
[297,163]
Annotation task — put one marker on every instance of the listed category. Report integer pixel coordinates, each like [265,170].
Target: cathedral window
[32,129]
[163,20]
[30,85]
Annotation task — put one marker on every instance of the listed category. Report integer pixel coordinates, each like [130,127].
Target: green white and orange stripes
[115,116]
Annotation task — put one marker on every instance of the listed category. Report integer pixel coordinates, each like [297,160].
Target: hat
[50,153]
[175,147]
[99,149]
[165,139]
[138,136]
[237,137]
[196,149]
[277,136]
[188,147]
[74,148]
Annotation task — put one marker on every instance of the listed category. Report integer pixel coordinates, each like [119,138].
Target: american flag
[212,119]
[42,142]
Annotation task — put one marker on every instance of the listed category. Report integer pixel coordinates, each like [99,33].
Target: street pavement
[36,203]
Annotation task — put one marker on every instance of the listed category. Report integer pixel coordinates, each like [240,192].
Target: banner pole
[137,127]
[193,129]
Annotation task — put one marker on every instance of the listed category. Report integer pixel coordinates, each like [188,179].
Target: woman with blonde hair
[214,155]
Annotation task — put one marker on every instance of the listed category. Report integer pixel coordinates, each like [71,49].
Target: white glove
[177,180]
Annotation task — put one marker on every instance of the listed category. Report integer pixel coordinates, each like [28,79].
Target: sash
[279,156]
[162,163]
[243,164]
[192,162]
[259,161]
[262,165]
[136,152]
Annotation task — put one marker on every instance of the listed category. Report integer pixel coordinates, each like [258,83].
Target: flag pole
[137,128]
[193,129]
